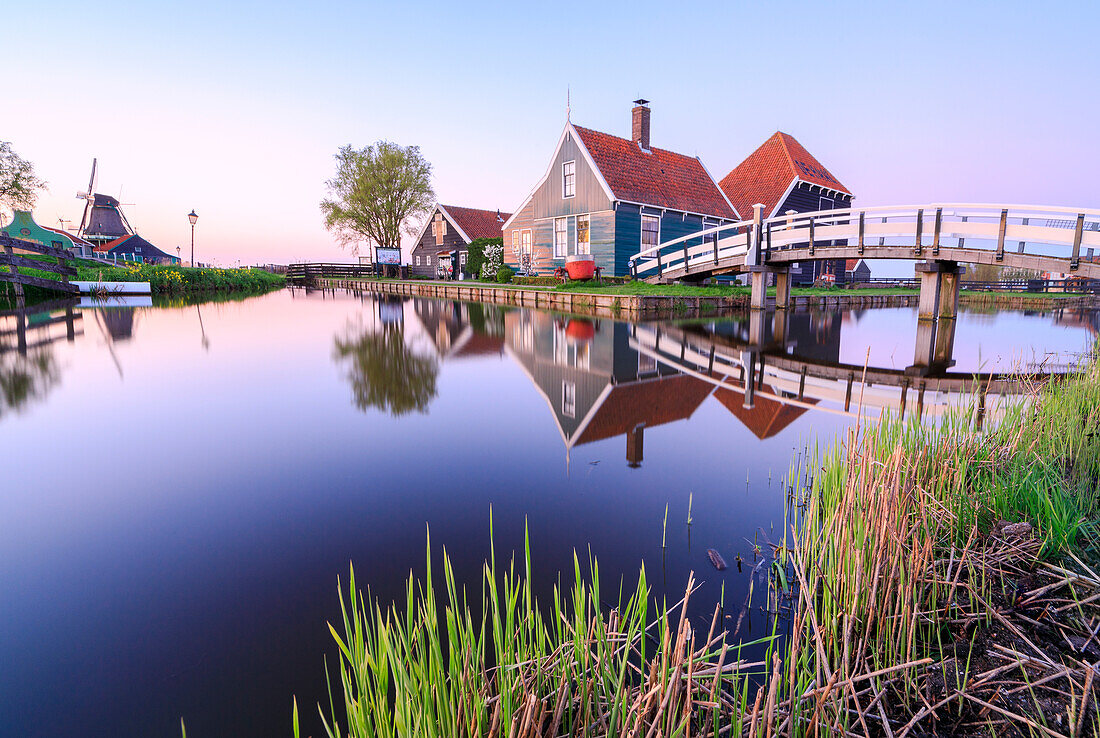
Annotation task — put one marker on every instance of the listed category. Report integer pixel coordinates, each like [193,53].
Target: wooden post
[802,383]
[783,288]
[1079,231]
[1001,235]
[768,250]
[848,392]
[660,269]
[685,258]
[811,236]
[936,233]
[920,229]
[752,257]
[861,233]
[716,244]
[19,300]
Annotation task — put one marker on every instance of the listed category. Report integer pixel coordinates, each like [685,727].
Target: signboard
[389,256]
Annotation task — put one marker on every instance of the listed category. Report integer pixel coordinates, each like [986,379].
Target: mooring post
[783,288]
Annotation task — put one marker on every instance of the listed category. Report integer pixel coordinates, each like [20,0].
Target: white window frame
[462,259]
[561,248]
[427,260]
[418,259]
[515,241]
[642,231]
[830,200]
[569,399]
[525,241]
[577,234]
[569,180]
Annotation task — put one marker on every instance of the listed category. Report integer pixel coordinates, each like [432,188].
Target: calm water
[184,485]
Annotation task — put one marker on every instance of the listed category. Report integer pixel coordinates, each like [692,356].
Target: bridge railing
[708,246]
[1067,235]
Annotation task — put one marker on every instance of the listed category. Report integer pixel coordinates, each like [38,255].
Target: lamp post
[193,218]
[178,254]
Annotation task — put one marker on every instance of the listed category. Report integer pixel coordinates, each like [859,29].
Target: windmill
[88,197]
[103,220]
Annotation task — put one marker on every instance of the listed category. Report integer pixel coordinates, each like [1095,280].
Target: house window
[825,203]
[428,260]
[525,241]
[561,237]
[583,245]
[569,179]
[569,399]
[711,238]
[651,231]
[418,259]
[646,364]
[515,242]
[462,259]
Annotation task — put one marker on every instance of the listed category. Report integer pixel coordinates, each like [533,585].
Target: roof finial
[567,103]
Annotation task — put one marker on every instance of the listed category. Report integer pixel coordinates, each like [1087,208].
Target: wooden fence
[304,273]
[13,262]
[27,328]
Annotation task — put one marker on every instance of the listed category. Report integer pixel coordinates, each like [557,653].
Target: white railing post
[752,257]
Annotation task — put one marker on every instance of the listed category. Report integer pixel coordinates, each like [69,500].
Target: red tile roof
[765,175]
[649,403]
[477,223]
[656,177]
[767,416]
[111,244]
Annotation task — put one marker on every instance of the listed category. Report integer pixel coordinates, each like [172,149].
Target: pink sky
[236,111]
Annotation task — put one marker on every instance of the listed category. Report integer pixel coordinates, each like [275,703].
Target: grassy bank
[935,580]
[166,280]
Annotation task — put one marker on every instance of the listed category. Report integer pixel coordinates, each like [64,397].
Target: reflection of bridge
[940,235]
[765,370]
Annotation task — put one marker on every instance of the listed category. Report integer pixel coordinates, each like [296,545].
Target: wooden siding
[427,246]
[628,230]
[806,198]
[590,196]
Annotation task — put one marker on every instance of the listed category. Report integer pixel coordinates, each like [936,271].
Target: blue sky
[235,109]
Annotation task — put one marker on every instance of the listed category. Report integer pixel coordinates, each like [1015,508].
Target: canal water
[184,484]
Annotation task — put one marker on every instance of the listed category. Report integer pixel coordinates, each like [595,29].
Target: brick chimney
[640,123]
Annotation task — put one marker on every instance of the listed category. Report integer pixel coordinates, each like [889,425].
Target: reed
[928,575]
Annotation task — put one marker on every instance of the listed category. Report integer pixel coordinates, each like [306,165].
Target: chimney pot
[640,123]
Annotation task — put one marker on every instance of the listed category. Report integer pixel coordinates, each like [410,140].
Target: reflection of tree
[384,373]
[25,378]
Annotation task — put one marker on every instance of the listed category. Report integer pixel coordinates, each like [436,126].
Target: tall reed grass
[904,545]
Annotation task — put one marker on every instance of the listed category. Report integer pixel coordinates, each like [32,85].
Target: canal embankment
[929,579]
[617,301]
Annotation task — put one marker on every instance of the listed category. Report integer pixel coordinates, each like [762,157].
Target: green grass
[170,280]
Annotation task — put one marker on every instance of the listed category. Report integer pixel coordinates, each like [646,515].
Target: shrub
[475,253]
[493,260]
[542,281]
[504,275]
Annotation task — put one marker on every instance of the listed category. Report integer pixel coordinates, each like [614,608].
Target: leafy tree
[385,373]
[19,185]
[376,193]
[475,253]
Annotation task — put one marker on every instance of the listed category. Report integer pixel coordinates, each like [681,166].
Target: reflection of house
[461,330]
[767,417]
[445,236]
[611,197]
[119,322]
[596,385]
[784,176]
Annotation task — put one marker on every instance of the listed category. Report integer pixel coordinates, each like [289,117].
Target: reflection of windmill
[103,219]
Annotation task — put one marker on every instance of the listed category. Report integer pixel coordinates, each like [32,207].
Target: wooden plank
[28,263]
[920,231]
[46,284]
[45,323]
[1079,231]
[35,247]
[936,234]
[1001,234]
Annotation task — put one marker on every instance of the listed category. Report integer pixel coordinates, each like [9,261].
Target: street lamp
[178,259]
[193,218]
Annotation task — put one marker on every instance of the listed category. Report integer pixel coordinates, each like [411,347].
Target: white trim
[574,175]
[641,231]
[719,188]
[458,228]
[565,233]
[674,210]
[550,168]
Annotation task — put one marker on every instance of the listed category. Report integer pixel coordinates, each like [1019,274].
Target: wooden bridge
[941,235]
[14,262]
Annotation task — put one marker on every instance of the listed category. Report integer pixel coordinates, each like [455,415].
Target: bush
[540,281]
[475,253]
[504,275]
[493,260]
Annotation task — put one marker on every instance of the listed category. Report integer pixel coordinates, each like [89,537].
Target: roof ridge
[632,142]
[787,152]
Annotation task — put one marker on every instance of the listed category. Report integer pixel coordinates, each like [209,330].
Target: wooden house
[783,176]
[134,248]
[440,250]
[856,270]
[611,197]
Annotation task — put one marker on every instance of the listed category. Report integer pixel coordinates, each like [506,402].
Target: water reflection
[384,372]
[28,369]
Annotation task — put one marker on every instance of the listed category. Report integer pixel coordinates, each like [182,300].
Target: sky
[235,109]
